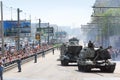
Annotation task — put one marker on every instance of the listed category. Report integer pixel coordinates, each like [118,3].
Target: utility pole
[2,28]
[48,33]
[18,34]
[40,32]
[11,13]
[57,34]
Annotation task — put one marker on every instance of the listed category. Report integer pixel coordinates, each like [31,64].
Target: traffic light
[37,36]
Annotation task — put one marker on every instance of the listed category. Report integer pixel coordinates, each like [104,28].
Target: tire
[108,69]
[64,63]
[84,68]
[111,69]
[87,68]
[103,69]
[80,68]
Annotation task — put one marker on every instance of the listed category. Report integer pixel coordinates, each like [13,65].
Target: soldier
[90,44]
[43,53]
[53,51]
[19,63]
[1,71]
[35,58]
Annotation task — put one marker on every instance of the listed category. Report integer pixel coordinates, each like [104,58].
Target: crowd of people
[115,53]
[12,54]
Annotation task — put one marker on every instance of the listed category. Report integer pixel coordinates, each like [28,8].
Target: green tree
[109,22]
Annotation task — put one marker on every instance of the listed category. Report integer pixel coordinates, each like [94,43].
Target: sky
[60,12]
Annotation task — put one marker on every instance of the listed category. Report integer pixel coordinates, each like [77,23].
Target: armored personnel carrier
[70,51]
[90,58]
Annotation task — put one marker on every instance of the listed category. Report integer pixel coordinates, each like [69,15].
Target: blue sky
[61,12]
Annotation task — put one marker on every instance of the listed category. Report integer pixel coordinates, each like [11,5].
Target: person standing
[35,61]
[111,52]
[1,71]
[43,53]
[19,63]
[53,51]
[90,44]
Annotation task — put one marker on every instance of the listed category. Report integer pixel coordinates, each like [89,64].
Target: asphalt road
[49,68]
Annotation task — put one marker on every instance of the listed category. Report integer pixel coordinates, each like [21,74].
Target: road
[49,68]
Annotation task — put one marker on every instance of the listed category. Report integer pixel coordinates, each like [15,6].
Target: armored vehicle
[90,58]
[70,51]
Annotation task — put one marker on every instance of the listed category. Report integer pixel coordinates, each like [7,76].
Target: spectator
[35,58]
[1,71]
[53,51]
[19,63]
[111,51]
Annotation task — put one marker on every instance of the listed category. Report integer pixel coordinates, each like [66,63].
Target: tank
[70,51]
[90,58]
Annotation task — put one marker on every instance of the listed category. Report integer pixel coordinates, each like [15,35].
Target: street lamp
[11,13]
[39,31]
[18,35]
[48,33]
[2,28]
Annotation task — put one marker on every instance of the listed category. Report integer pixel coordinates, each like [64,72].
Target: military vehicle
[70,51]
[90,58]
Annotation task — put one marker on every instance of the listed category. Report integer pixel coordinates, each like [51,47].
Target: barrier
[13,64]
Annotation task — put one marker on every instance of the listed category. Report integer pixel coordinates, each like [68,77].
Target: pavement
[48,68]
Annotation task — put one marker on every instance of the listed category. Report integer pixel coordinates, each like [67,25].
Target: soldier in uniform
[90,44]
[53,51]
[35,58]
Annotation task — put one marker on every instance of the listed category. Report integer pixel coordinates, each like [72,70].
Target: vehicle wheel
[103,69]
[79,68]
[87,68]
[64,63]
[111,69]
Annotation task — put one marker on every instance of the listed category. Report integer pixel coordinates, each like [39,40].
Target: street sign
[37,36]
[46,30]
[16,38]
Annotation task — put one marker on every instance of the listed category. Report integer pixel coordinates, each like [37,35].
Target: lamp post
[18,35]
[11,13]
[48,33]
[2,28]
[57,34]
[40,32]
